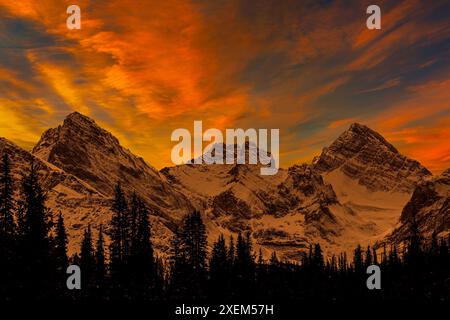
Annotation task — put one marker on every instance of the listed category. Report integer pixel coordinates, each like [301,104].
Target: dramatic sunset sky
[144,68]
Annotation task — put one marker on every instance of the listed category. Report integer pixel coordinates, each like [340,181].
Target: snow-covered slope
[354,192]
[365,156]
[371,178]
[79,203]
[211,186]
[284,212]
[80,147]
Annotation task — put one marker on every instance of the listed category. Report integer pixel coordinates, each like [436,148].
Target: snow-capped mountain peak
[365,156]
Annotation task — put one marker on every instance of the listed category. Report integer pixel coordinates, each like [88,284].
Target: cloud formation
[145,68]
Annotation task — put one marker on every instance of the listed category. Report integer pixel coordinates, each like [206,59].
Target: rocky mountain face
[79,203]
[284,212]
[354,192]
[80,147]
[371,178]
[429,206]
[365,156]
[215,186]
[79,165]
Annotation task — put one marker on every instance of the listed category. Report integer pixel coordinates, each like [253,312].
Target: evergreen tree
[7,226]
[260,258]
[368,259]
[434,245]
[310,255]
[194,247]
[318,261]
[135,205]
[345,261]
[142,259]
[178,285]
[342,263]
[384,256]
[60,259]
[100,265]
[119,234]
[244,267]
[7,230]
[414,259]
[160,280]
[219,268]
[273,259]
[231,252]
[243,254]
[35,255]
[358,260]
[188,258]
[87,262]
[60,248]
[394,259]
[375,256]
[414,251]
[333,264]
[194,242]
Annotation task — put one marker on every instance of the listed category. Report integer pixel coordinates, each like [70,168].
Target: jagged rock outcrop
[429,206]
[82,148]
[353,192]
[80,203]
[237,198]
[364,155]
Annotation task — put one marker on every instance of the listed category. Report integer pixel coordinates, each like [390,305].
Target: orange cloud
[144,68]
[429,144]
[425,101]
[339,123]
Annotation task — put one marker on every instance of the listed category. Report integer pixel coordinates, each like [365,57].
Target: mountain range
[359,190]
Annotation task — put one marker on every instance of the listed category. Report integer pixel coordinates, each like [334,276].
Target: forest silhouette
[34,260]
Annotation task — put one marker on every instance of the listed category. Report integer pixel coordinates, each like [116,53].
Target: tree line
[34,260]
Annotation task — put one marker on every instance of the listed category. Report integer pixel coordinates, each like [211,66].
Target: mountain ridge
[79,146]
[334,201]
[363,154]
[429,207]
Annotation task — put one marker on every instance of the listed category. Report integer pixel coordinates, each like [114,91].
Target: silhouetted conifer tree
[60,247]
[119,234]
[244,266]
[60,258]
[7,226]
[368,258]
[194,247]
[260,257]
[38,269]
[142,259]
[358,260]
[375,256]
[231,252]
[318,260]
[100,264]
[219,268]
[178,284]
[274,259]
[87,262]
[7,231]
[414,250]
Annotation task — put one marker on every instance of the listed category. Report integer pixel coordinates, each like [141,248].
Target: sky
[142,69]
